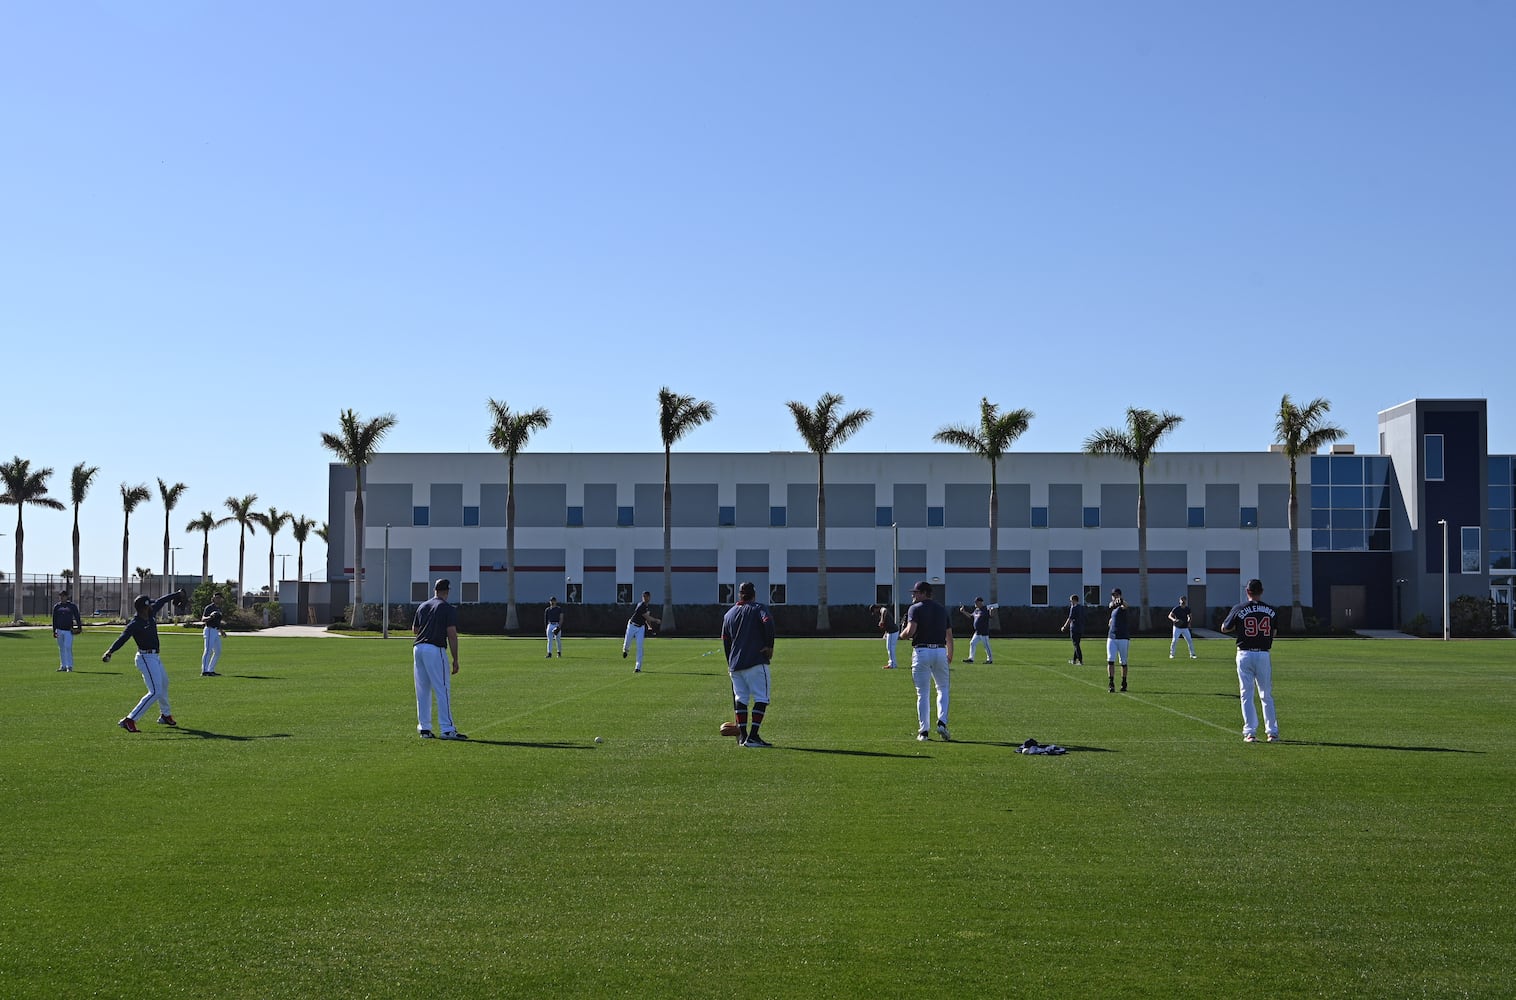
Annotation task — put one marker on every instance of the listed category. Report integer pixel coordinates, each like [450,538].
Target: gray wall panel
[910,505]
[599,506]
[387,503]
[752,505]
[1065,505]
[1274,506]
[540,505]
[800,499]
[1222,508]
[1168,505]
[1118,505]
[446,505]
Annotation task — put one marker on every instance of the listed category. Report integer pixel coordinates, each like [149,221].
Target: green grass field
[293,838]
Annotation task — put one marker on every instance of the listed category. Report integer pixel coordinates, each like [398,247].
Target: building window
[575,517]
[471,517]
[1092,596]
[573,593]
[418,592]
[624,517]
[623,593]
[726,593]
[421,517]
[1433,452]
[934,517]
[471,593]
[1039,595]
[1197,517]
[776,593]
[1092,517]
[1039,517]
[884,517]
[726,517]
[1471,555]
[884,593]
[776,517]
[1249,518]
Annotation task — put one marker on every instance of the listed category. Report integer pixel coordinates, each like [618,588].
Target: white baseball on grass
[599,740]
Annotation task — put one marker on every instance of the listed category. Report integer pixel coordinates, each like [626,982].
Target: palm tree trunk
[358,545]
[512,623]
[205,558]
[1297,614]
[823,616]
[668,544]
[76,583]
[1144,613]
[241,565]
[126,543]
[18,606]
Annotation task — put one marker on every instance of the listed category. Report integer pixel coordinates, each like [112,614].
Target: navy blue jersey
[1254,622]
[1075,620]
[1118,627]
[981,618]
[932,624]
[887,622]
[746,631]
[432,621]
[553,615]
[639,614]
[143,629]
[212,616]
[1181,615]
[66,616]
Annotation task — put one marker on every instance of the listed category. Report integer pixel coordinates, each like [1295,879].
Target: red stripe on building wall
[1132,570]
[446,569]
[600,569]
[1224,569]
[676,569]
[986,570]
[833,569]
[522,569]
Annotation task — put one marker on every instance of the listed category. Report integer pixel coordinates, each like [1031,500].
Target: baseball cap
[142,601]
[978,600]
[923,586]
[443,584]
[1116,592]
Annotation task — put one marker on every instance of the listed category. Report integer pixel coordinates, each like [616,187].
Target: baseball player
[930,631]
[211,618]
[885,619]
[980,617]
[144,629]
[436,629]
[1253,622]
[747,636]
[1074,626]
[1117,642]
[1180,616]
[552,618]
[66,625]
[636,628]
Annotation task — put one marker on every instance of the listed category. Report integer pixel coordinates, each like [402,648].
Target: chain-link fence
[97,596]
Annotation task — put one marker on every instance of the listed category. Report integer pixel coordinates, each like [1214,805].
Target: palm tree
[509,433]
[272,521]
[355,444]
[143,574]
[1136,443]
[24,485]
[131,497]
[823,429]
[206,523]
[300,527]
[83,476]
[990,440]
[170,495]
[242,513]
[677,416]
[1302,430]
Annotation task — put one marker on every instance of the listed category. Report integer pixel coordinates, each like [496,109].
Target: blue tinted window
[884,516]
[726,516]
[1349,541]
[1500,560]
[1039,517]
[1500,497]
[421,516]
[1498,518]
[471,517]
[624,517]
[1376,469]
[1197,517]
[934,517]
[1249,517]
[1343,517]
[1321,540]
[1375,496]
[1092,517]
[1347,496]
[1347,470]
[1379,541]
[1500,538]
[1321,470]
[1434,457]
[776,517]
[1321,517]
[1500,470]
[1321,496]
[575,518]
[1377,518]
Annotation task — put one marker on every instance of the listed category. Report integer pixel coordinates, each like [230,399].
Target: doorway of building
[1500,597]
[1200,615]
[1350,606]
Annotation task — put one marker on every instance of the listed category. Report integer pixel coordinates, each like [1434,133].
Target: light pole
[895,574]
[385,597]
[1447,624]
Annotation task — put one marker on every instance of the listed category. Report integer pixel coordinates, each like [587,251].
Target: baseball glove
[181,605]
[730,729]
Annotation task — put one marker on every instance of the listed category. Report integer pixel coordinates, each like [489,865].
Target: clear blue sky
[223,223]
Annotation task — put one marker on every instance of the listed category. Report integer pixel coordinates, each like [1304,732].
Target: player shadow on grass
[206,734]
[527,744]
[851,753]
[1378,746]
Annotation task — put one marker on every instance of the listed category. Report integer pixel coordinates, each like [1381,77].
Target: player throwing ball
[144,629]
[1253,621]
[747,635]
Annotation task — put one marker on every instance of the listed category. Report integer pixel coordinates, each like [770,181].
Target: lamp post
[895,574]
[1447,624]
[385,596]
